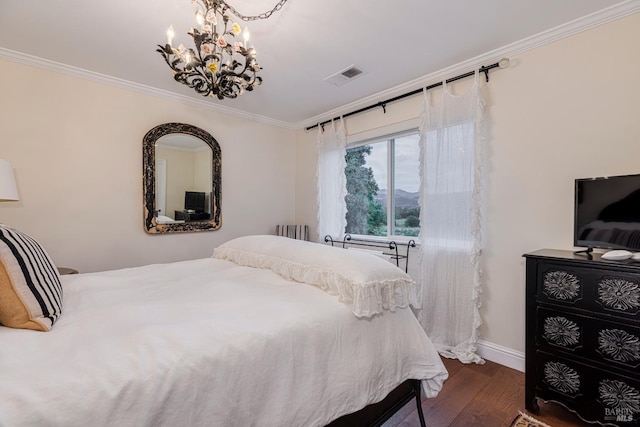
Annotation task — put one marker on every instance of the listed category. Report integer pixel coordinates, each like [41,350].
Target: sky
[407,163]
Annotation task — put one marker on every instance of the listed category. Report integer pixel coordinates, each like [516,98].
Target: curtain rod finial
[503,63]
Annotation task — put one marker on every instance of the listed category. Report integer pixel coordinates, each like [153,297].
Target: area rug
[524,420]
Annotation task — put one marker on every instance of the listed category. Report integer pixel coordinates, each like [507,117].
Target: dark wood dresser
[583,335]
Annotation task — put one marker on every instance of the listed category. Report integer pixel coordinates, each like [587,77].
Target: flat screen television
[607,213]
[194,201]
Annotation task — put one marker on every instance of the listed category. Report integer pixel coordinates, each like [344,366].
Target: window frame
[390,139]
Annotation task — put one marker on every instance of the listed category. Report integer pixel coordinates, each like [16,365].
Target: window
[383,185]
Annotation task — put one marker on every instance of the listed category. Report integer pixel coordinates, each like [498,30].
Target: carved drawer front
[601,291]
[620,399]
[561,285]
[589,337]
[558,376]
[620,345]
[619,294]
[560,330]
[597,395]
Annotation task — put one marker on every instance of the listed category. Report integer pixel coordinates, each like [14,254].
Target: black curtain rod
[484,69]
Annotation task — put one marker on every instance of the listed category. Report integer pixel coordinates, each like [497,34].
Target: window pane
[366,174]
[407,185]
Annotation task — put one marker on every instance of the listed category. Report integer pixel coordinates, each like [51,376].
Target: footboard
[376,414]
[391,247]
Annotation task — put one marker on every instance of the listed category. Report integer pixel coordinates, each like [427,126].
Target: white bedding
[206,343]
[162,219]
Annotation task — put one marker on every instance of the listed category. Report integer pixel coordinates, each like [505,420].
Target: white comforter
[205,343]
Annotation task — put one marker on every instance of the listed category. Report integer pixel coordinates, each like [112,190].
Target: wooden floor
[488,395]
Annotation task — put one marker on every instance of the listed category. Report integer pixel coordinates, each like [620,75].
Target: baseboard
[501,355]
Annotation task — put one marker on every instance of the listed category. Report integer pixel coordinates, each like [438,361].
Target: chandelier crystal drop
[220,65]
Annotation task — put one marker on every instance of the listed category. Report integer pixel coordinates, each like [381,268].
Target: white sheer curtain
[332,183]
[451,142]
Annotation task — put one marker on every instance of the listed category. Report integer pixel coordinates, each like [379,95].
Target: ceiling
[394,42]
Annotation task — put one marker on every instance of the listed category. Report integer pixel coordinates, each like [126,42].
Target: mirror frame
[149,180]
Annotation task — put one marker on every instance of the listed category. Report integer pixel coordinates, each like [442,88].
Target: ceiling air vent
[344,76]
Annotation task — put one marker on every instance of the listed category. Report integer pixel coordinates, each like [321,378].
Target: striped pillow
[30,290]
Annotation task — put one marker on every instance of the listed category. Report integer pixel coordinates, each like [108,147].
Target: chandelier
[220,65]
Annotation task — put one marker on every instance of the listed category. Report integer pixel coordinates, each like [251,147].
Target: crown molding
[57,67]
[604,16]
[613,13]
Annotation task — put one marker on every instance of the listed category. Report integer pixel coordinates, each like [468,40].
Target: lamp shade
[8,188]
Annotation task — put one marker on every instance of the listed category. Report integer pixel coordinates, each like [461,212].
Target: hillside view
[404,199]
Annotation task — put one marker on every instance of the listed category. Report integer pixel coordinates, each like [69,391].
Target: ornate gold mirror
[181,179]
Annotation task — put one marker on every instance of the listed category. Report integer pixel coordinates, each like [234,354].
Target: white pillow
[364,281]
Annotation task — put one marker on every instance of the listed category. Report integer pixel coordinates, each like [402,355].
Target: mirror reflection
[181,179]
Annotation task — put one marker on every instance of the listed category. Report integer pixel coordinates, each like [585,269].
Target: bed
[163,219]
[261,334]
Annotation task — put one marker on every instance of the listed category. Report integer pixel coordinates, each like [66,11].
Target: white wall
[76,147]
[562,111]
[566,110]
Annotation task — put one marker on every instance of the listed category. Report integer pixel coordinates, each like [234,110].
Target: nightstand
[67,270]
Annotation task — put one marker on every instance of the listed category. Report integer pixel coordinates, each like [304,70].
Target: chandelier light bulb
[199,18]
[170,35]
[246,35]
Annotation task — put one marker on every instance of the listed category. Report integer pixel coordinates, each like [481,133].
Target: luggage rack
[391,245]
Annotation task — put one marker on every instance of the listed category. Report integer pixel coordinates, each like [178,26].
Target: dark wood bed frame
[376,414]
